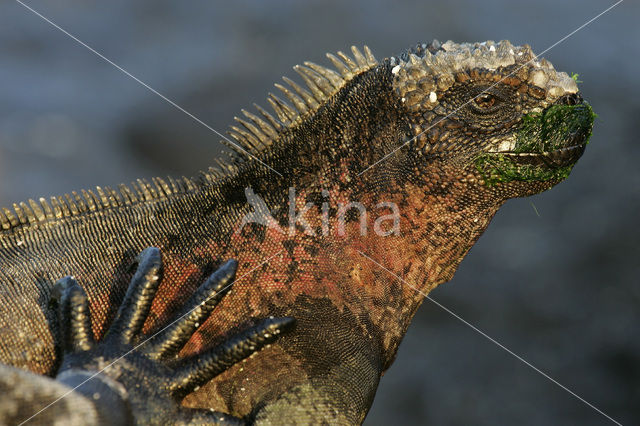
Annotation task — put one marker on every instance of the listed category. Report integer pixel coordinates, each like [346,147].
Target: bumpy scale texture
[477,124]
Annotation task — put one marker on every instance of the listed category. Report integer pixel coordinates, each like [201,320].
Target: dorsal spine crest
[253,134]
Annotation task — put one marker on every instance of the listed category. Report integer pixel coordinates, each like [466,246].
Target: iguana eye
[485,101]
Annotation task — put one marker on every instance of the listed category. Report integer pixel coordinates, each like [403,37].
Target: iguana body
[481,123]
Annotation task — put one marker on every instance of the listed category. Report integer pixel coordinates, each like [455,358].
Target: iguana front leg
[125,379]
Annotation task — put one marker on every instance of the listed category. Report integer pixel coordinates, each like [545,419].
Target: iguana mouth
[557,158]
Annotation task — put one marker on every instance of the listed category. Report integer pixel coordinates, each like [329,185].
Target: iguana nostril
[570,99]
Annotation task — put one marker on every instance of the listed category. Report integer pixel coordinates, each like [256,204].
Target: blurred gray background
[559,288]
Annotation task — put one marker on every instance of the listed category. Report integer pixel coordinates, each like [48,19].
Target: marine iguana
[460,128]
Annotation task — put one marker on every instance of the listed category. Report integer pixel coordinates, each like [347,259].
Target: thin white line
[494,341]
[537,56]
[535,209]
[148,87]
[149,338]
[580,27]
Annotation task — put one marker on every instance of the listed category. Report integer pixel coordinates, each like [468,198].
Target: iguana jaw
[553,159]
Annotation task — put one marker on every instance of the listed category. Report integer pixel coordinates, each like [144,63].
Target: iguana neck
[339,256]
[437,227]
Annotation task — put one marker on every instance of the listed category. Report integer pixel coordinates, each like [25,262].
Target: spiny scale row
[257,131]
[253,134]
[74,204]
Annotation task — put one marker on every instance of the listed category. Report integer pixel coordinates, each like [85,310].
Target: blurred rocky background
[558,286]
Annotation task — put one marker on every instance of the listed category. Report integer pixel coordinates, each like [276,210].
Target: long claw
[137,301]
[74,316]
[199,369]
[194,313]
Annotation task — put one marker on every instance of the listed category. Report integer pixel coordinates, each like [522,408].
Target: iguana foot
[141,380]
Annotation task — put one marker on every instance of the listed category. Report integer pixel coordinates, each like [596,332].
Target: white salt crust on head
[422,77]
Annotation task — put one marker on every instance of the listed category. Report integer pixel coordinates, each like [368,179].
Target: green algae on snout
[498,168]
[557,127]
[550,129]
[575,76]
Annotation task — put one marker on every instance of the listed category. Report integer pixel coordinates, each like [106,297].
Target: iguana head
[510,120]
[490,114]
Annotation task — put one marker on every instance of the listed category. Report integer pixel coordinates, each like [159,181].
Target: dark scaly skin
[448,183]
[129,378]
